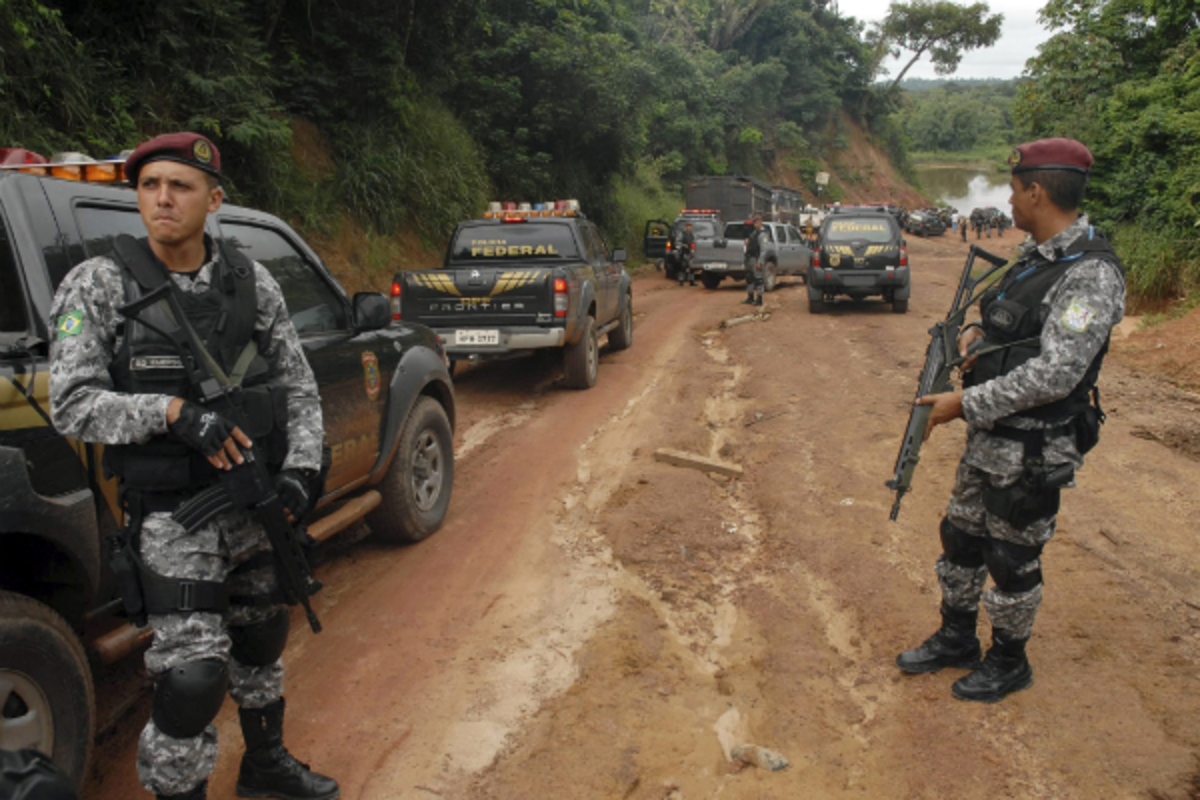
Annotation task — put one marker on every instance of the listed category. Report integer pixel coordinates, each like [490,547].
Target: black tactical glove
[204,430]
[292,487]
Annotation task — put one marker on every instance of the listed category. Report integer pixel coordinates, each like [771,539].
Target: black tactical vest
[149,363]
[1012,321]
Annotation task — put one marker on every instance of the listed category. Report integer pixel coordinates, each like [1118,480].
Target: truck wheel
[709,280]
[900,306]
[46,697]
[416,490]
[581,361]
[620,337]
[770,279]
[670,272]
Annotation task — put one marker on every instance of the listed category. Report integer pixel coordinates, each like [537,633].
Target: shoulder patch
[1078,316]
[70,324]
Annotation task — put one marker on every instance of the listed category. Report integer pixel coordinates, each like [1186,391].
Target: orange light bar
[104,172]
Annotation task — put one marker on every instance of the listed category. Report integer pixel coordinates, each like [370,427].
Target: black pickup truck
[515,282]
[388,404]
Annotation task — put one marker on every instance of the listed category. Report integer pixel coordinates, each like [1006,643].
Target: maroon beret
[1050,154]
[186,148]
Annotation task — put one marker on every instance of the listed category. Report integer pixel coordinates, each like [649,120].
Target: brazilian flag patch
[70,324]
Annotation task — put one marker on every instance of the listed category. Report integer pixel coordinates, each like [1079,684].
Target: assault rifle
[941,358]
[247,485]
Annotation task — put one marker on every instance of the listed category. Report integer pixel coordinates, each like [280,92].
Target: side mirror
[371,311]
[620,256]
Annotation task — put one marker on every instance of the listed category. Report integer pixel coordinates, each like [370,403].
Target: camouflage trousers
[167,765]
[754,276]
[962,587]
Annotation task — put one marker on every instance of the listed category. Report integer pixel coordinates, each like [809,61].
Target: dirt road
[591,623]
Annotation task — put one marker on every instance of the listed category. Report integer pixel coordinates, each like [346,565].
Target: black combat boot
[268,769]
[953,645]
[749,301]
[1005,670]
[199,792]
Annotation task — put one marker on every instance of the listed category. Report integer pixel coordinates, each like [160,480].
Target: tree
[941,28]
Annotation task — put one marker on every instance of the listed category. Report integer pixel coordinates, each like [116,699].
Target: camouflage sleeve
[84,322]
[1081,309]
[281,345]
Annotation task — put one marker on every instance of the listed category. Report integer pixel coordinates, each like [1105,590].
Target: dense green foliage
[1123,76]
[957,118]
[423,111]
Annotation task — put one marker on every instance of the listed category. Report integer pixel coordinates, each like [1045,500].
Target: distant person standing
[962,227]
[753,264]
[685,250]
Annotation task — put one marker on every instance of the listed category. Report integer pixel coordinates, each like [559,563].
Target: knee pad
[188,697]
[1016,568]
[262,643]
[961,548]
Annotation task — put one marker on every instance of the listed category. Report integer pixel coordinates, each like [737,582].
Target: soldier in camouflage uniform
[232,633]
[1032,411]
[752,262]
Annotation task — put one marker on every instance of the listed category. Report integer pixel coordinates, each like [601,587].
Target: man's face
[174,201]
[757,223]
[1021,201]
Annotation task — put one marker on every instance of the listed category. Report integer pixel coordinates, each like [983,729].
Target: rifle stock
[941,358]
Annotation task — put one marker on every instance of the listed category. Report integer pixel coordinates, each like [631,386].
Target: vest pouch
[1006,316]
[1023,503]
[160,465]
[1087,428]
[264,411]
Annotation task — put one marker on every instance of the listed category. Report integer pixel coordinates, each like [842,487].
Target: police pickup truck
[386,394]
[785,251]
[523,279]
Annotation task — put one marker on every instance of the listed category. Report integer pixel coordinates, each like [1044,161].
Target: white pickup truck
[785,251]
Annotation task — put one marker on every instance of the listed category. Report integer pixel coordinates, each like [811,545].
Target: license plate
[477,337]
[716,265]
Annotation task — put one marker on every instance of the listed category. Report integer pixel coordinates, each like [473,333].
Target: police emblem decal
[1078,316]
[202,152]
[371,374]
[70,324]
[835,260]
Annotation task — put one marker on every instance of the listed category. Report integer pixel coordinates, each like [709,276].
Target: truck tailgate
[474,297]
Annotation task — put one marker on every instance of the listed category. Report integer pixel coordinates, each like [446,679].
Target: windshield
[701,228]
[858,229]
[525,241]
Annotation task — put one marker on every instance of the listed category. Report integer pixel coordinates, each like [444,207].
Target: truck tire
[620,337]
[416,490]
[816,301]
[709,280]
[900,306]
[47,701]
[581,361]
[770,276]
[670,271]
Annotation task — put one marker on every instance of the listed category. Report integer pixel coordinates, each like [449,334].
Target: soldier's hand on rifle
[946,406]
[215,437]
[967,337]
[292,488]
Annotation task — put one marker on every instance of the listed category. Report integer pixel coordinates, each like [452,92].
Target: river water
[965,188]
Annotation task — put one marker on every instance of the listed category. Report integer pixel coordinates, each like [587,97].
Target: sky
[1020,35]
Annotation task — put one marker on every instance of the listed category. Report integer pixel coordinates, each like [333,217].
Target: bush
[1159,266]
[428,172]
[638,198]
